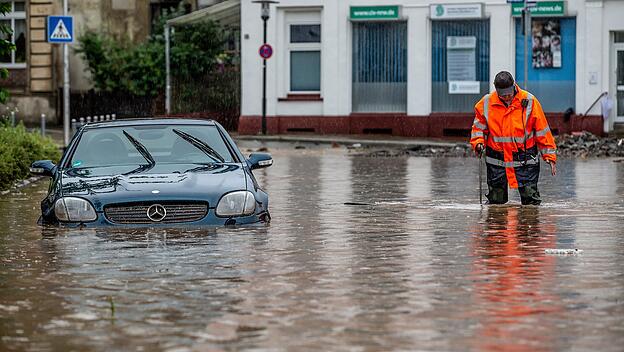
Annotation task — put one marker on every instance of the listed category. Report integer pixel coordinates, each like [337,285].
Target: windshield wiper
[141,148]
[140,169]
[197,143]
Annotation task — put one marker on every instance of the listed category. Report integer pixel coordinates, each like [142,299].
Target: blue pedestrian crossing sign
[60,29]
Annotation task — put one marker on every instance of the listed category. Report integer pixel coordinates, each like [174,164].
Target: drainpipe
[168,70]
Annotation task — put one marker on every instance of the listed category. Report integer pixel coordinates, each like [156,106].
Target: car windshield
[149,145]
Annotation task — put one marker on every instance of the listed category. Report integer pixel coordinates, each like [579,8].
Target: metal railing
[77,124]
[603,94]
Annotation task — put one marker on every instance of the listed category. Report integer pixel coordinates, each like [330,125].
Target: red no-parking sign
[266,51]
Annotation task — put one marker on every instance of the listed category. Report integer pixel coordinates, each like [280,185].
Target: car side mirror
[42,168]
[259,160]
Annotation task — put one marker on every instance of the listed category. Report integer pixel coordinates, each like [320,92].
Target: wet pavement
[418,264]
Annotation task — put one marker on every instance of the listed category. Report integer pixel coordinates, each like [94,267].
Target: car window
[110,146]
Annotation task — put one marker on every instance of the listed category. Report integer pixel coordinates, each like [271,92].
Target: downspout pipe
[168,70]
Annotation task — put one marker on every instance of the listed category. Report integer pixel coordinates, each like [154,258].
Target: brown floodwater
[415,263]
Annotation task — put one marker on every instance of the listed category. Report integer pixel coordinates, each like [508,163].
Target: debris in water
[356,203]
[112,306]
[563,251]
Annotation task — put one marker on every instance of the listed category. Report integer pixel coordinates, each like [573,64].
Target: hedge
[19,149]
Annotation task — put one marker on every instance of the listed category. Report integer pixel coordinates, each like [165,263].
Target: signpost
[61,30]
[266,51]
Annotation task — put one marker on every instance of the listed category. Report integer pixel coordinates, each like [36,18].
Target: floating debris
[563,251]
[357,203]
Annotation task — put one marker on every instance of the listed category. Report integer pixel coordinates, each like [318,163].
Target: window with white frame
[304,52]
[16,20]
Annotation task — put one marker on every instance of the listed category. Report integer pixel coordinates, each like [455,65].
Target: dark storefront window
[460,57]
[552,65]
[380,67]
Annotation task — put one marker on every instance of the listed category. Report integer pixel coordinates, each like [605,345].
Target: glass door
[619,83]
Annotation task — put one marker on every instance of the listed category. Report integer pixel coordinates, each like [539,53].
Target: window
[461,64]
[552,61]
[16,20]
[304,55]
[379,67]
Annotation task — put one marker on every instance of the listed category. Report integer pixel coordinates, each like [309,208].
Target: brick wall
[40,50]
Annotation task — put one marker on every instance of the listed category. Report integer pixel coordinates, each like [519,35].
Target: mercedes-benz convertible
[153,172]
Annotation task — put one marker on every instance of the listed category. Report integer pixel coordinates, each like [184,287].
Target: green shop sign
[541,8]
[375,12]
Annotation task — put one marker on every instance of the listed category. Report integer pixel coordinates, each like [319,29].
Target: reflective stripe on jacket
[506,129]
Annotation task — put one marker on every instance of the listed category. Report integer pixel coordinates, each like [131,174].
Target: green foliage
[5,48]
[20,149]
[139,69]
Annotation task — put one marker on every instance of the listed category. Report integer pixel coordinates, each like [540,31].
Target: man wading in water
[511,127]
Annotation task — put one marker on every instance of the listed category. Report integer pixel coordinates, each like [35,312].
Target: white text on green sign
[374,12]
[541,8]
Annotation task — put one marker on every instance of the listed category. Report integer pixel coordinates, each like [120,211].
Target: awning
[227,13]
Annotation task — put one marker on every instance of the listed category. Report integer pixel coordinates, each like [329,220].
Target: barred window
[16,21]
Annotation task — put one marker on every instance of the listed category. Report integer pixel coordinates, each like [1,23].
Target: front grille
[136,213]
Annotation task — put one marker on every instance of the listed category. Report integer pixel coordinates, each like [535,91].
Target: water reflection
[513,281]
[421,266]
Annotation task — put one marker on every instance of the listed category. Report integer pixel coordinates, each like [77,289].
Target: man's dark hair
[503,80]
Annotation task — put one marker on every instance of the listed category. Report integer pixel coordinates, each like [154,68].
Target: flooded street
[411,262]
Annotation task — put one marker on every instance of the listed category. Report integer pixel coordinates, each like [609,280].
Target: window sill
[13,66]
[301,97]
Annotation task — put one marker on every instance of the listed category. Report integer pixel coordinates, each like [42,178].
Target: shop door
[380,67]
[619,83]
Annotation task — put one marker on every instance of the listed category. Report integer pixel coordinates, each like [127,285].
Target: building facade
[36,66]
[415,68]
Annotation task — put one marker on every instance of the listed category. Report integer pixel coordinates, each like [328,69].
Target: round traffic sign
[266,51]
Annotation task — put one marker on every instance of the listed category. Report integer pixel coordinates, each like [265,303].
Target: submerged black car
[154,171]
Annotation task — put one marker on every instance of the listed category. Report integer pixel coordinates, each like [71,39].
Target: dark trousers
[527,177]
[529,194]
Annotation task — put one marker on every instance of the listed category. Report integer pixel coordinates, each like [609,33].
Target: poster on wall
[546,43]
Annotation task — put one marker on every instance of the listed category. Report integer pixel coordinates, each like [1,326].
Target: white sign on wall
[453,42]
[464,87]
[461,62]
[452,11]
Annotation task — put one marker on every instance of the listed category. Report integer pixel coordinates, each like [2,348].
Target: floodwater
[418,265]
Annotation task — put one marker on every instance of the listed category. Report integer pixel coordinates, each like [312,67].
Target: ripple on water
[363,254]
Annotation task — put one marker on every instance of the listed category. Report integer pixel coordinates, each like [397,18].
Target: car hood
[165,182]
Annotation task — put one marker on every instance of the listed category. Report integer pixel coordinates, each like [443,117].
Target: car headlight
[73,209]
[237,203]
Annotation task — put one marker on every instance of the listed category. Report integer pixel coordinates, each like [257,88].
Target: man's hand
[479,150]
[553,167]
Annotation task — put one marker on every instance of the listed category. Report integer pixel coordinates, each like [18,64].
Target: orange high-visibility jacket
[505,129]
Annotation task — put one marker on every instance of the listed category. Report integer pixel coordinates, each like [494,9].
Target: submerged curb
[351,141]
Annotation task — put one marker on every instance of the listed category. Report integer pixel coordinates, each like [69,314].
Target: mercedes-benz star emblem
[156,212]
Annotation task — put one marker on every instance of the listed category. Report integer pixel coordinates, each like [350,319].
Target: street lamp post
[264,14]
